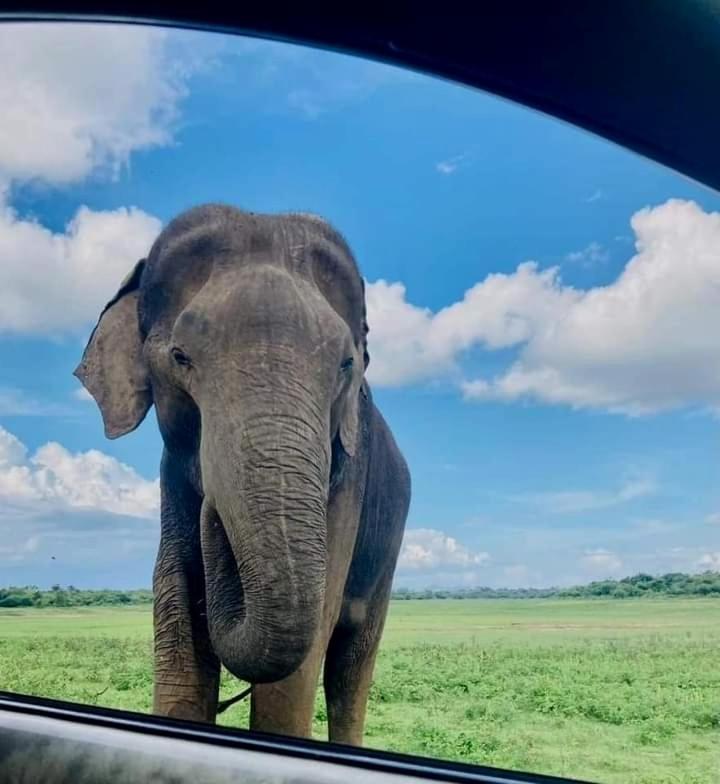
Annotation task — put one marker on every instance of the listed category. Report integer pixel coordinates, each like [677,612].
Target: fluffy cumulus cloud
[644,343]
[82,518]
[425,549]
[78,100]
[86,263]
[397,340]
[408,343]
[78,97]
[54,478]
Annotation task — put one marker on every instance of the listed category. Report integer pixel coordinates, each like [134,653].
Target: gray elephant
[284,495]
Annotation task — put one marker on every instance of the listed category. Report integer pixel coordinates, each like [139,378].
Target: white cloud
[52,283]
[645,343]
[79,99]
[76,97]
[54,478]
[451,165]
[397,341]
[12,451]
[425,549]
[710,562]
[574,501]
[74,516]
[590,256]
[642,344]
[595,196]
[601,562]
[408,343]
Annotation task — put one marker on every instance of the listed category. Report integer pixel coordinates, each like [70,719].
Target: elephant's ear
[112,368]
[365,328]
[350,422]
[350,418]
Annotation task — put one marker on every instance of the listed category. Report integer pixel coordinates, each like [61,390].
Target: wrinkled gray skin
[284,496]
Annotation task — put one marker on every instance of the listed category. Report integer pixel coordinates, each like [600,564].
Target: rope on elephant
[223,705]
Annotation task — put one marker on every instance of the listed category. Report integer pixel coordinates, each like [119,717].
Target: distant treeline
[70,596]
[674,584]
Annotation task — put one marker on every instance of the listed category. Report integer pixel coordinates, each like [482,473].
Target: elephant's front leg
[349,666]
[288,706]
[187,672]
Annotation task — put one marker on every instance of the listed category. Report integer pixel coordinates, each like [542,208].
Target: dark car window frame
[656,95]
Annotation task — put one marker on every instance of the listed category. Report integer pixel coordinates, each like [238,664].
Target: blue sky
[543,306]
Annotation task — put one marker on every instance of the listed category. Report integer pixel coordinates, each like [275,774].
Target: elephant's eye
[347,364]
[180,357]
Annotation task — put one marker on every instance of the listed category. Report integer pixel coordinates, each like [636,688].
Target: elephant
[283,493]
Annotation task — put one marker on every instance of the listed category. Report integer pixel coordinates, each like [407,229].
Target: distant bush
[57,596]
[15,600]
[672,584]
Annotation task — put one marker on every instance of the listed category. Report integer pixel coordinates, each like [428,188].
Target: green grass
[606,690]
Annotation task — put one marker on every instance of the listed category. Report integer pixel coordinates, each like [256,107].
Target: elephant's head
[248,333]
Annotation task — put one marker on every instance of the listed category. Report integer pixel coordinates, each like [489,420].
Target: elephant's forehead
[237,242]
[303,245]
[192,251]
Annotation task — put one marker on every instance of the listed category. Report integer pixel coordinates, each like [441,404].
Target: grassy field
[611,691]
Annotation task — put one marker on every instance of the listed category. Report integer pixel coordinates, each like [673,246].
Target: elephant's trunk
[263,538]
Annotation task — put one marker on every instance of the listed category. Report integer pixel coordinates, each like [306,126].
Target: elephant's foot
[183,701]
[287,707]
